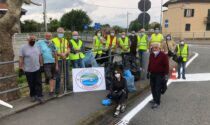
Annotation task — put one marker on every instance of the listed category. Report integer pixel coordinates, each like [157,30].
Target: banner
[88,79]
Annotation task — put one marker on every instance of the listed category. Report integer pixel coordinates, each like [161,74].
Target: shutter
[193,11]
[185,12]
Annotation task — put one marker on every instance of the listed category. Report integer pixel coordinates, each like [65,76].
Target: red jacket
[159,64]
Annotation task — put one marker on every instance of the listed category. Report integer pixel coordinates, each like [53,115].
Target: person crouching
[119,91]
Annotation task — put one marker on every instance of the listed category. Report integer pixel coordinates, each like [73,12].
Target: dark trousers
[124,58]
[141,56]
[34,80]
[119,97]
[155,83]
[181,65]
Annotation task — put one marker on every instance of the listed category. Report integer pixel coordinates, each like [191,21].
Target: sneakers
[178,77]
[117,112]
[154,106]
[40,100]
[123,107]
[184,77]
[33,99]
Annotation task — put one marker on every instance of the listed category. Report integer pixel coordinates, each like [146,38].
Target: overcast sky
[113,16]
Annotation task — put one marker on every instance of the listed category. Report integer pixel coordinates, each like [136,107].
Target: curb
[31,105]
[99,115]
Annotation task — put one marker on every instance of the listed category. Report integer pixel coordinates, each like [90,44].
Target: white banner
[88,79]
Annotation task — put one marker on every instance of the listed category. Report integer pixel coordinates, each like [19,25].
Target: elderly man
[77,51]
[49,56]
[62,50]
[158,70]
[30,61]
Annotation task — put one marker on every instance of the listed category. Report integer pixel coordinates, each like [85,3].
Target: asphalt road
[185,103]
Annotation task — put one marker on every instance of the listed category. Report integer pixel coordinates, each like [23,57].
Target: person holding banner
[62,50]
[77,51]
[118,91]
[169,44]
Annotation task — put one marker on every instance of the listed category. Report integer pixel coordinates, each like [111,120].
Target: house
[187,18]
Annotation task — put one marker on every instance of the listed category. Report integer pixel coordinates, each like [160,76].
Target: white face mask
[156,52]
[117,75]
[99,34]
[133,34]
[112,34]
[123,36]
[182,43]
[168,38]
[75,37]
[60,35]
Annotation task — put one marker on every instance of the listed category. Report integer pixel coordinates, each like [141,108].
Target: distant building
[187,18]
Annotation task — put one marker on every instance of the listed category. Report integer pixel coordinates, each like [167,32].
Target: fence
[190,35]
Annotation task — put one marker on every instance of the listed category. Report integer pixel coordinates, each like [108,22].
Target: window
[189,13]
[187,27]
[208,27]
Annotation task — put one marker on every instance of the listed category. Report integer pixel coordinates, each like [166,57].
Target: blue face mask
[60,35]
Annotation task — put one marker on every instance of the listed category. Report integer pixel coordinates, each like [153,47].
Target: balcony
[207,20]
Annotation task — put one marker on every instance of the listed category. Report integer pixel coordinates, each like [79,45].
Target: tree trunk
[6,54]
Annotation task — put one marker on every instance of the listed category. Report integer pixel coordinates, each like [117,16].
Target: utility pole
[45,14]
[144,16]
[127,22]
[161,15]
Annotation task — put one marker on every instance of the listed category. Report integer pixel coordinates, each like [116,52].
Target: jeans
[155,83]
[141,56]
[78,63]
[62,68]
[34,80]
[181,65]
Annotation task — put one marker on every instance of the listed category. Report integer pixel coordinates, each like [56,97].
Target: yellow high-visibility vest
[124,44]
[78,46]
[108,42]
[98,46]
[156,38]
[183,52]
[61,45]
[142,42]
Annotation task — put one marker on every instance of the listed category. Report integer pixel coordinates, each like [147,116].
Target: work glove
[21,72]
[148,75]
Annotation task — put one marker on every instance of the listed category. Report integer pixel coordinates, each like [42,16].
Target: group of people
[53,56]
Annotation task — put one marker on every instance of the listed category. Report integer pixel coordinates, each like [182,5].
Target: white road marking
[126,119]
[5,104]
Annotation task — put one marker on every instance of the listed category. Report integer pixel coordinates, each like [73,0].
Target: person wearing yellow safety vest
[157,37]
[182,51]
[142,46]
[124,44]
[98,44]
[62,49]
[111,43]
[77,51]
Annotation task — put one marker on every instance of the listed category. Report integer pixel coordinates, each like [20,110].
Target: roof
[185,1]
[4,7]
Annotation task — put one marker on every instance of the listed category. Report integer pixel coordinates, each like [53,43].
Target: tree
[135,26]
[9,24]
[30,26]
[118,29]
[53,25]
[75,20]
[154,25]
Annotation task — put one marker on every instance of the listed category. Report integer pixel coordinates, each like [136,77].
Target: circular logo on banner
[89,79]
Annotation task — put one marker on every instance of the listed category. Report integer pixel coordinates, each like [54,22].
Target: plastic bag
[130,80]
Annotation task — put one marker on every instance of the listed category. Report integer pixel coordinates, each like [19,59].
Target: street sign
[85,27]
[97,26]
[166,23]
[144,18]
[144,5]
